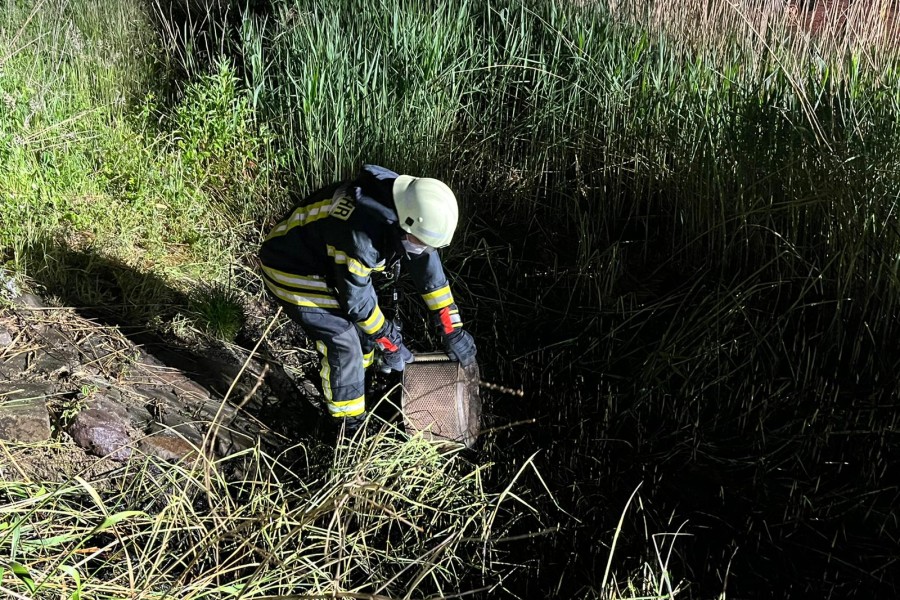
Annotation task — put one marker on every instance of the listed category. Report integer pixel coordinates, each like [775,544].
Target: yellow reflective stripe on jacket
[368,359]
[353,265]
[439,298]
[301,298]
[374,322]
[306,282]
[301,216]
[348,408]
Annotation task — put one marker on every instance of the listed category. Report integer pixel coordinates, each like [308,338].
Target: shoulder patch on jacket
[342,208]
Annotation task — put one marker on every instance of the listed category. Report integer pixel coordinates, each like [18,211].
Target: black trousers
[345,353]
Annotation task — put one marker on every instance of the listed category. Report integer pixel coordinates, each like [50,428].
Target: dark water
[765,458]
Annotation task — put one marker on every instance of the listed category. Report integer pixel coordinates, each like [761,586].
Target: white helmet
[426,208]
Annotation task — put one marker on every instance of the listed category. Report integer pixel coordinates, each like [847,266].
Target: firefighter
[318,264]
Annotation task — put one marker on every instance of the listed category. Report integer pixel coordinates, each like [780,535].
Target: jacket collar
[388,214]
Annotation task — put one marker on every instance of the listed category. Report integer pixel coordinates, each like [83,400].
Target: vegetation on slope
[693,208]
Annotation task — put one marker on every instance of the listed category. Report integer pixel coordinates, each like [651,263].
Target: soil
[79,396]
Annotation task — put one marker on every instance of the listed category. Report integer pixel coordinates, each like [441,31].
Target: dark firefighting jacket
[322,255]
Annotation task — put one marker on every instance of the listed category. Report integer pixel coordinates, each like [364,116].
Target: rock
[105,393]
[119,400]
[54,365]
[231,441]
[167,405]
[176,381]
[8,287]
[11,367]
[181,426]
[168,446]
[160,397]
[58,356]
[139,417]
[222,412]
[103,429]
[29,301]
[23,413]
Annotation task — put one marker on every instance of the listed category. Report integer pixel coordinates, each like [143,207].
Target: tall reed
[727,132]
[699,198]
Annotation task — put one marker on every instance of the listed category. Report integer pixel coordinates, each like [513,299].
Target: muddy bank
[79,395]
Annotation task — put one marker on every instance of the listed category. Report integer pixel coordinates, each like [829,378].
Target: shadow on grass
[142,306]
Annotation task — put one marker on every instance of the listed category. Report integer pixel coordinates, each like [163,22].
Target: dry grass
[392,518]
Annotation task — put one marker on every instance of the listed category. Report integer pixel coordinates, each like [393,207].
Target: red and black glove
[394,353]
[459,344]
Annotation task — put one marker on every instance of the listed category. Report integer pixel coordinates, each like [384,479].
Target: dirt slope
[77,396]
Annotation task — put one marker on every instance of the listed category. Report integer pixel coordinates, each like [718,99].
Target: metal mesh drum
[441,399]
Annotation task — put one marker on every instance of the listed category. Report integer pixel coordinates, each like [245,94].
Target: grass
[91,162]
[586,117]
[698,201]
[219,311]
[391,518]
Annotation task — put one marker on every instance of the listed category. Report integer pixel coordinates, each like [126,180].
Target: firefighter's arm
[431,282]
[358,299]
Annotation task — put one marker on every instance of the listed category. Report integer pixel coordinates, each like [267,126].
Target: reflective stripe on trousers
[344,353]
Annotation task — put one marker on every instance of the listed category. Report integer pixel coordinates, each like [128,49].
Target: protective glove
[460,346]
[394,353]
[396,360]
